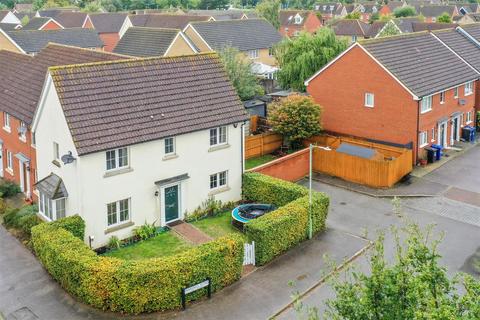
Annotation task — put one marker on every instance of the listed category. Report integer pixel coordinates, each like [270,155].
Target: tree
[390,29]
[444,18]
[304,55]
[406,11]
[296,118]
[374,17]
[353,16]
[239,72]
[213,4]
[25,20]
[270,11]
[412,287]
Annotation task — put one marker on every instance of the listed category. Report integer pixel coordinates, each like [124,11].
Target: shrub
[74,224]
[113,242]
[9,188]
[145,231]
[134,286]
[265,189]
[3,206]
[24,218]
[286,227]
[11,217]
[27,222]
[209,208]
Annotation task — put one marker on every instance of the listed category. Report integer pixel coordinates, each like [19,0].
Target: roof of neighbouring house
[231,14]
[435,10]
[20,91]
[146,42]
[115,104]
[53,186]
[430,26]
[21,7]
[248,34]
[32,41]
[375,28]
[108,22]
[406,24]
[329,7]
[3,13]
[463,46]
[421,62]
[165,20]
[287,17]
[36,23]
[9,26]
[392,5]
[473,30]
[67,18]
[353,27]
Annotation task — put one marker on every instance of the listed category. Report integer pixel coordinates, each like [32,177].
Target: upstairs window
[253,54]
[468,88]
[298,19]
[22,131]
[369,100]
[426,104]
[6,121]
[169,145]
[116,159]
[218,136]
[455,92]
[442,97]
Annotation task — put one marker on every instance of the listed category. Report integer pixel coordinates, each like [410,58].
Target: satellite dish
[462,102]
[68,158]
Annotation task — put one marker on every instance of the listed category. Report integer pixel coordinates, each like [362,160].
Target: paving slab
[462,195]
[190,233]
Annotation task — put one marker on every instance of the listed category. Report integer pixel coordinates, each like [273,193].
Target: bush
[24,218]
[114,243]
[265,189]
[11,217]
[27,222]
[134,286]
[74,224]
[209,208]
[9,188]
[145,231]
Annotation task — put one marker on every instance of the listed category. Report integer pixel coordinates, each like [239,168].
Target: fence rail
[249,253]
[262,144]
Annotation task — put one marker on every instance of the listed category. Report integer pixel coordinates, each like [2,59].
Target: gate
[249,253]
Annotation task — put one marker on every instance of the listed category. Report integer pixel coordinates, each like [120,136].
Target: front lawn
[257,161]
[162,245]
[217,226]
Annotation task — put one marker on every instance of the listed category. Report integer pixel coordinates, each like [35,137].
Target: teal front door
[171,203]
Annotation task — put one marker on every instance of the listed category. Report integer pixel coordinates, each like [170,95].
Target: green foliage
[374,17]
[23,219]
[25,20]
[353,16]
[270,11]
[9,189]
[239,71]
[444,18]
[389,30]
[209,208]
[413,286]
[11,217]
[213,4]
[296,118]
[134,286]
[73,224]
[92,7]
[304,55]
[407,11]
[114,243]
[145,231]
[27,222]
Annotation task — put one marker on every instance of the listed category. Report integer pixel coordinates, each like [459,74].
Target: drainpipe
[418,130]
[242,148]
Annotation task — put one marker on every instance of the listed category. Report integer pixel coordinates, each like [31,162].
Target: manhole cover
[23,314]
[343,203]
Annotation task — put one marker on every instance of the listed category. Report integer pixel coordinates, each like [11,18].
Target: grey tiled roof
[430,26]
[114,104]
[35,23]
[248,34]
[32,41]
[421,62]
[375,28]
[347,27]
[463,46]
[287,17]
[69,19]
[108,22]
[146,42]
[165,20]
[231,14]
[21,86]
[473,30]
[435,10]
[8,26]
[406,24]
[52,186]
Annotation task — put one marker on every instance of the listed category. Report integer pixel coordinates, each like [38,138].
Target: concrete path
[190,233]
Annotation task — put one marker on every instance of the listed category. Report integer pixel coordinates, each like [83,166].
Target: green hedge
[287,226]
[24,218]
[135,286]
[74,224]
[265,189]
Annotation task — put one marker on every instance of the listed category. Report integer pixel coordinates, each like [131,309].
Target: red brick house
[42,23]
[389,8]
[18,102]
[408,90]
[292,22]
[110,27]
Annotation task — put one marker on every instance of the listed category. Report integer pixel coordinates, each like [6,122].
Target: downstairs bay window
[53,209]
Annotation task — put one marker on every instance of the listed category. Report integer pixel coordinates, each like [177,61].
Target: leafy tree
[304,55]
[240,73]
[389,30]
[213,4]
[92,7]
[25,20]
[444,18]
[296,118]
[407,11]
[413,287]
[374,17]
[353,16]
[269,10]
[6,4]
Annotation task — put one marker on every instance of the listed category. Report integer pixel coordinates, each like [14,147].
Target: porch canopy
[52,186]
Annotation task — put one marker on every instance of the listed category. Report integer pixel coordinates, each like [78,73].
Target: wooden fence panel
[261,144]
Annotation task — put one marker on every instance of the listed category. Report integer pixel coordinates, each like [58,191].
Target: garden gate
[249,253]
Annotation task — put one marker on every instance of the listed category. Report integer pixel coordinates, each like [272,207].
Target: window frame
[420,140]
[217,177]
[116,159]
[50,209]
[455,92]
[442,97]
[7,124]
[10,160]
[433,135]
[218,135]
[253,54]
[172,146]
[426,98]
[22,136]
[469,118]
[366,104]
[469,86]
[118,212]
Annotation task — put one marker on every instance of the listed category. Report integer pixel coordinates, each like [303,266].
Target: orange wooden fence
[261,144]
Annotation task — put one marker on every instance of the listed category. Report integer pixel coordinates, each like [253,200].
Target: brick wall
[110,40]
[51,26]
[292,167]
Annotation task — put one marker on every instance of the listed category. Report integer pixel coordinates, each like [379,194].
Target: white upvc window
[6,122]
[56,151]
[442,97]
[433,134]
[218,136]
[118,212]
[22,131]
[271,52]
[469,117]
[369,100]
[34,139]
[426,104]
[169,145]
[52,209]
[422,139]
[455,92]
[253,54]
[468,88]
[10,160]
[298,19]
[218,180]
[116,159]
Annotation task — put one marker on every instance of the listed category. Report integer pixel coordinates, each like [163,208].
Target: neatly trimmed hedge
[280,230]
[265,189]
[74,224]
[135,286]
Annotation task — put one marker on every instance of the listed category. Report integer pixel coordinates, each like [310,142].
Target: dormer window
[298,19]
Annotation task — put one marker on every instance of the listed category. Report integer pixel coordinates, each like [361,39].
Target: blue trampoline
[246,212]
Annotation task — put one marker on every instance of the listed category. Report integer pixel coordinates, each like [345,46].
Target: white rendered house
[134,141]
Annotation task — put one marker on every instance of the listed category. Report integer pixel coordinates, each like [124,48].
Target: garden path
[190,233]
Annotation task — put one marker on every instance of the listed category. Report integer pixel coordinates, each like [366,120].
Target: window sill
[43,217]
[368,106]
[24,140]
[170,157]
[219,147]
[56,163]
[119,227]
[423,145]
[426,111]
[468,94]
[117,172]
[10,171]
[219,190]
[468,122]
[7,129]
